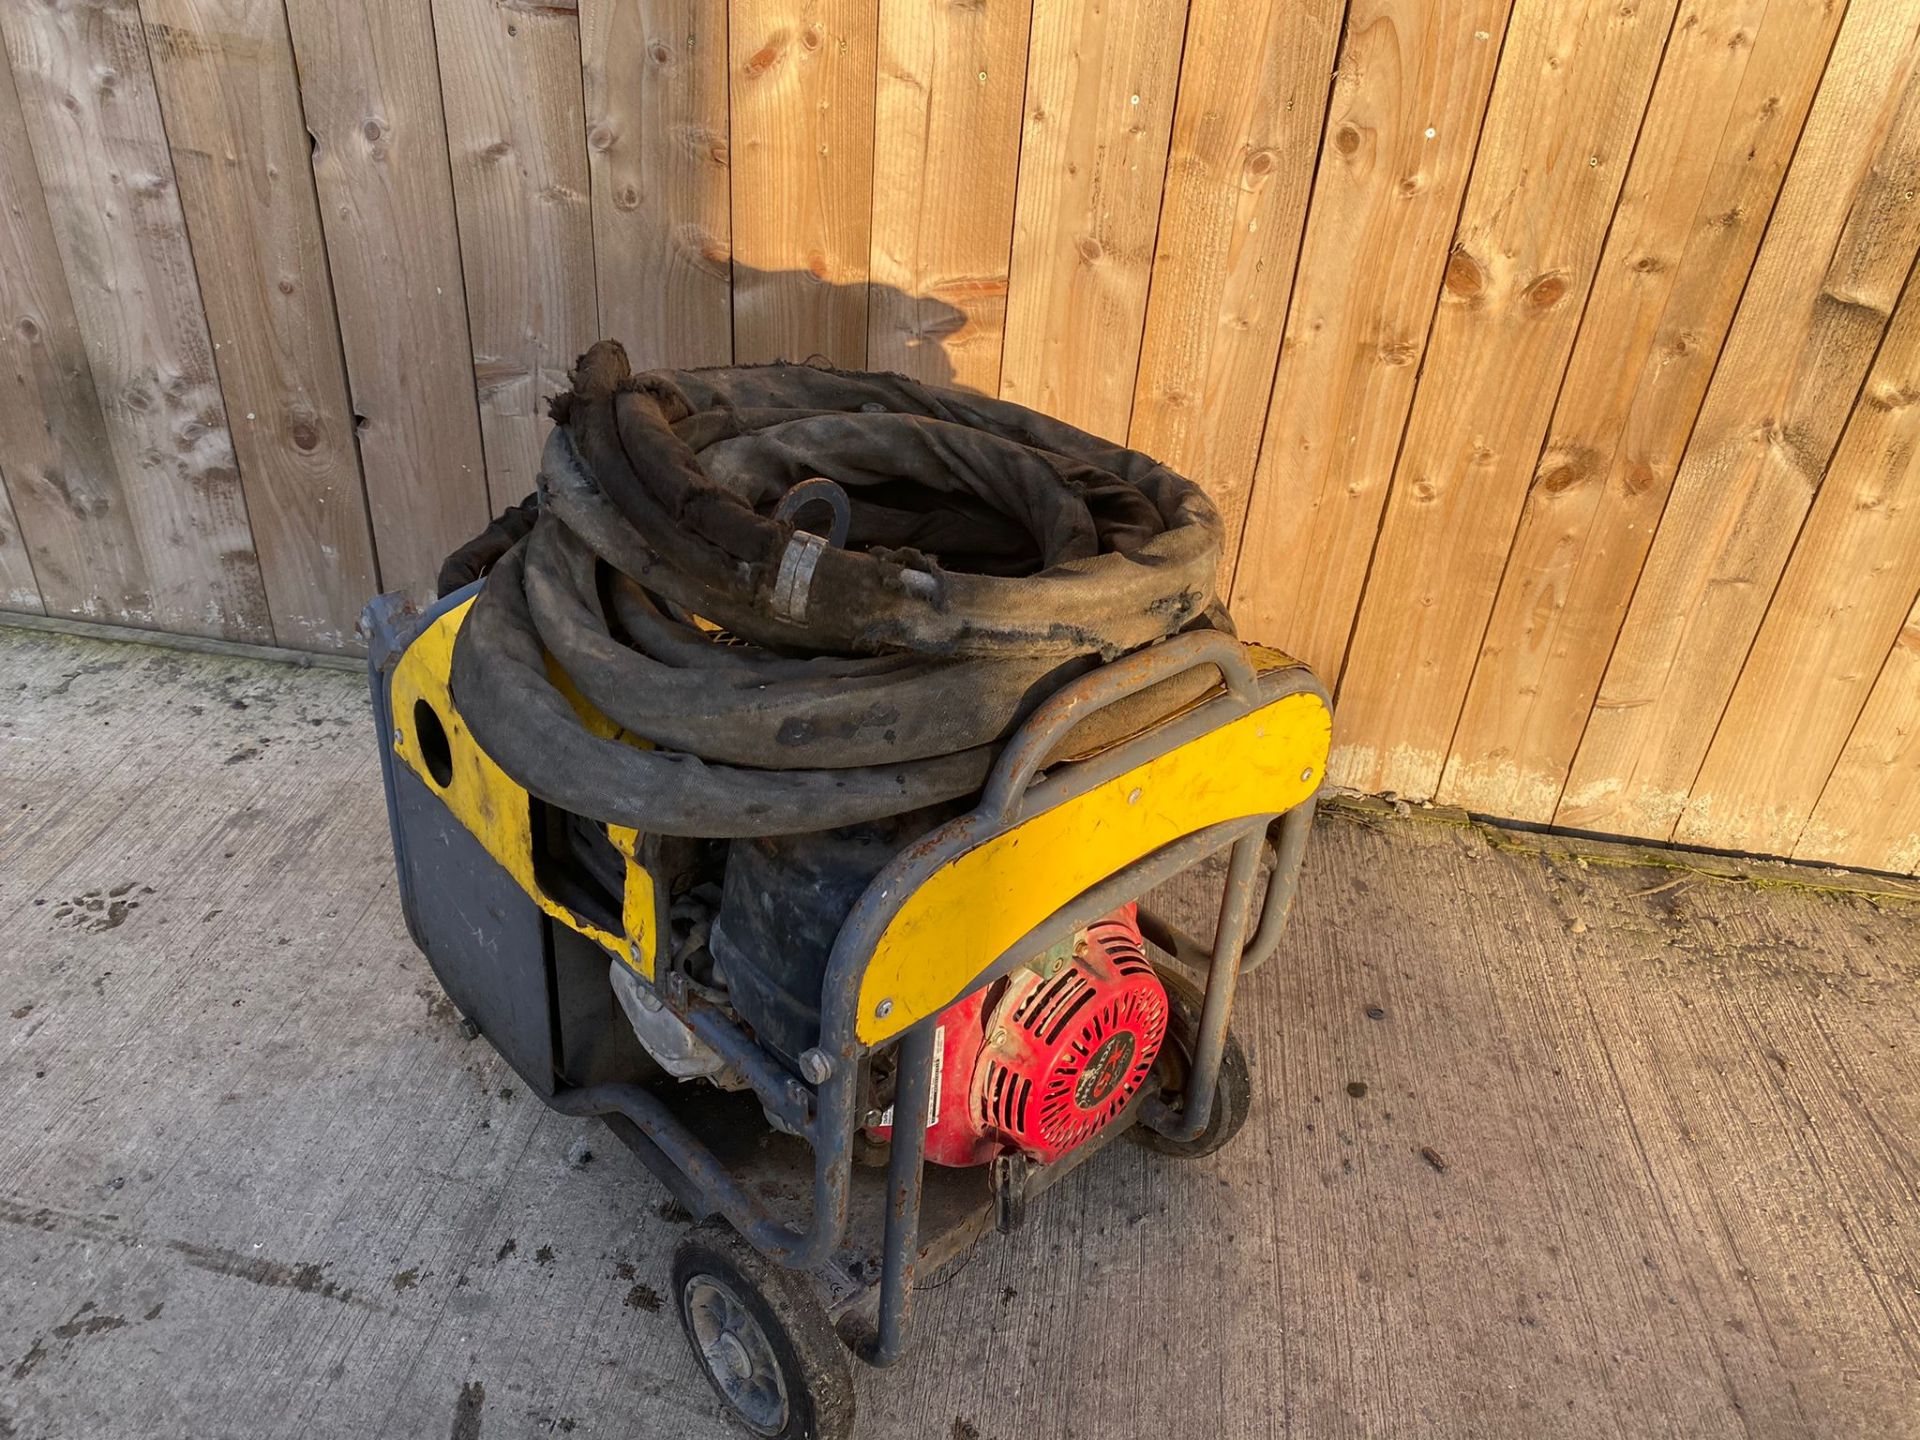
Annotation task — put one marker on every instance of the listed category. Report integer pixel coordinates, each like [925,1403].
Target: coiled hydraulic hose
[791,683]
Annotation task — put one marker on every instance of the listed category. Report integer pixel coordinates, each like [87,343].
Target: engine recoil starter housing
[1057,1055]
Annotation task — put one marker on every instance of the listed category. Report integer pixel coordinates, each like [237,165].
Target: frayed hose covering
[992,554]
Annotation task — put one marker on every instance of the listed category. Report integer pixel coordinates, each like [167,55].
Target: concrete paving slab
[1548,1141]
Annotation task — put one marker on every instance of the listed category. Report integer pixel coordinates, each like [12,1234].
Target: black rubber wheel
[1232,1100]
[760,1337]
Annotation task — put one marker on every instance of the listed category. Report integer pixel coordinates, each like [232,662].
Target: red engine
[1057,1055]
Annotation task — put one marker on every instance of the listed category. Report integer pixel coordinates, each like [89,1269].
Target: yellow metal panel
[966,915]
[487,801]
[638,914]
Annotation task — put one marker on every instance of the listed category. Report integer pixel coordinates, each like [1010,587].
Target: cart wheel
[1232,1098]
[761,1338]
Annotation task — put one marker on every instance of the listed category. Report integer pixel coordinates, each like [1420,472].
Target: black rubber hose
[992,554]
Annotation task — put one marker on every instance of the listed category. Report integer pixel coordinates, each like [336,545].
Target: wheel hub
[736,1353]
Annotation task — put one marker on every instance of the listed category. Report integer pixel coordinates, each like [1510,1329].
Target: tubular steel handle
[807,1249]
[1282,884]
[1036,740]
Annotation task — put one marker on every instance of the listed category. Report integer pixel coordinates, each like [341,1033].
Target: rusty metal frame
[825,1115]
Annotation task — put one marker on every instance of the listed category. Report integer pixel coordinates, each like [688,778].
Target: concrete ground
[1549,1141]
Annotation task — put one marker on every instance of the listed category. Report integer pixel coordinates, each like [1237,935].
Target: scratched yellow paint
[493,808]
[966,915]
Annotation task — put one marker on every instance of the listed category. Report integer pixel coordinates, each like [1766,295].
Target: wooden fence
[1554,362]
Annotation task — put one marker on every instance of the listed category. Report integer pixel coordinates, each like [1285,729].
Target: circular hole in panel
[435,753]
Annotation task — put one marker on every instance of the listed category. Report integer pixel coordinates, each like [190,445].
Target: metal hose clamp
[793,584]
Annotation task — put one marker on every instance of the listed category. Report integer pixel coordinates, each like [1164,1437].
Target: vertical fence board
[372,93]
[55,453]
[1246,131]
[1520,348]
[656,98]
[1732,95]
[1836,255]
[1383,209]
[87,95]
[946,153]
[1099,116]
[802,106]
[1869,812]
[1573,87]
[228,94]
[511,79]
[18,588]
[1838,611]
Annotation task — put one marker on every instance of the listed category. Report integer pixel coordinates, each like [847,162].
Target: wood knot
[818,267]
[1410,186]
[1562,473]
[285,285]
[627,197]
[1397,352]
[1546,292]
[1648,265]
[496,152]
[600,138]
[1347,138]
[1466,280]
[304,434]
[373,128]
[1636,478]
[766,57]
[27,328]
[1090,249]
[1425,490]
[660,53]
[810,37]
[1260,163]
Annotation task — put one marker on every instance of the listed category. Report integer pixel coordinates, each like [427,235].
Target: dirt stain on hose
[466,1411]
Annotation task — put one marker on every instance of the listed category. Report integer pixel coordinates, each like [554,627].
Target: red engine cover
[1058,1057]
[1064,1056]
